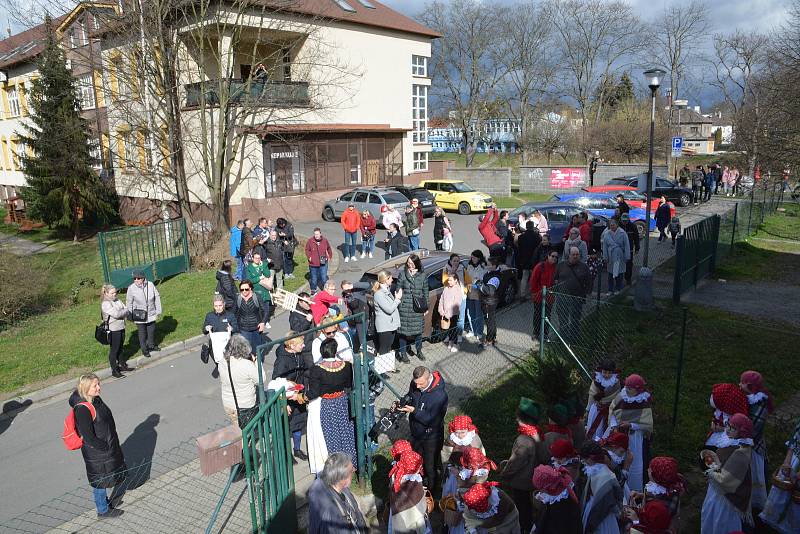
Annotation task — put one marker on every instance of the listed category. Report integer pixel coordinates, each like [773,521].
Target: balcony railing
[256,93]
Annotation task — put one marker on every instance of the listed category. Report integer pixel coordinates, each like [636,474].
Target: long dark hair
[479,254]
[416,261]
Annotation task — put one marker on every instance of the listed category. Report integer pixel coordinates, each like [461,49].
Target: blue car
[604,204]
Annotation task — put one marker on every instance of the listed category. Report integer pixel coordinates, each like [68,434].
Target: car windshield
[419,192]
[619,181]
[461,187]
[633,195]
[394,198]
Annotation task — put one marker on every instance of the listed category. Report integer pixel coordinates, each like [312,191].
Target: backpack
[72,440]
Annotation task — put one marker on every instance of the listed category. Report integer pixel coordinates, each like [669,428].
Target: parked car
[559,215]
[426,199]
[457,195]
[604,204]
[680,196]
[433,263]
[634,198]
[364,198]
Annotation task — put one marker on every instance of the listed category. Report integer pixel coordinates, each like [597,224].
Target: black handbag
[205,352]
[419,303]
[244,415]
[102,333]
[139,315]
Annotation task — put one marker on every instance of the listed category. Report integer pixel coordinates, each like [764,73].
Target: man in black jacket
[286,234]
[426,420]
[633,239]
[273,247]
[527,243]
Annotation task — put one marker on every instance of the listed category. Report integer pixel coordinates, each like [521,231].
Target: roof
[303,128]
[25,45]
[689,116]
[443,181]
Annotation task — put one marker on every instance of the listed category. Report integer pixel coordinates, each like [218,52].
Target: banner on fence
[567,177]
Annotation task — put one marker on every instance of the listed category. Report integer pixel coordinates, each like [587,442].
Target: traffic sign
[677,147]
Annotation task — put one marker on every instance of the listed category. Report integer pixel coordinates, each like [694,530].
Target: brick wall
[493,181]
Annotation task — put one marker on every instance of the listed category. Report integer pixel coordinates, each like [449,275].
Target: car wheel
[464,209]
[642,229]
[328,214]
[684,200]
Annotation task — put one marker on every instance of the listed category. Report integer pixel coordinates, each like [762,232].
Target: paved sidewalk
[20,246]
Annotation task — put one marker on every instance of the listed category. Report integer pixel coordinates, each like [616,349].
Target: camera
[390,418]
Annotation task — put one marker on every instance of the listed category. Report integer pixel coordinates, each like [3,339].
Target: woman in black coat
[102,454]
[293,362]
[225,285]
[414,283]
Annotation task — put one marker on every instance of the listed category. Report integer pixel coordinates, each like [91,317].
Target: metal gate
[160,250]
[695,255]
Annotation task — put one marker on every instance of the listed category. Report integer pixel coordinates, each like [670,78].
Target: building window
[419,65]
[129,140]
[86,92]
[13,102]
[420,161]
[286,54]
[95,153]
[148,150]
[419,105]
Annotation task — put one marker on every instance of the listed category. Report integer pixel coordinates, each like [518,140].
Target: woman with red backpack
[102,454]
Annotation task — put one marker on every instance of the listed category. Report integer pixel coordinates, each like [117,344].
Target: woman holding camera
[413,306]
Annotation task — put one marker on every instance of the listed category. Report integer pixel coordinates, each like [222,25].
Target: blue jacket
[220,322]
[235,241]
[430,407]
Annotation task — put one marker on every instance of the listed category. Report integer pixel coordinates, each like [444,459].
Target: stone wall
[569,179]
[492,181]
[607,171]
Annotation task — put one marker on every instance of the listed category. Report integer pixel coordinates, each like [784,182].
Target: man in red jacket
[319,253]
[488,230]
[351,222]
[543,275]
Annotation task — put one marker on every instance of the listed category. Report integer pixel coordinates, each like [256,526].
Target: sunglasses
[244,289]
[330,333]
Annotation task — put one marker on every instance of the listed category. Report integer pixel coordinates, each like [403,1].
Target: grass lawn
[518,199]
[60,343]
[40,235]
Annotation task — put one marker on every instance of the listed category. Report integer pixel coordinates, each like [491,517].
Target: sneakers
[370,254]
[300,455]
[469,335]
[346,259]
[363,255]
[116,374]
[111,513]
[453,348]
[353,258]
[289,276]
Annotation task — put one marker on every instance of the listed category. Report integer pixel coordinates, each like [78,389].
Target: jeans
[615,283]
[475,317]
[240,268]
[537,319]
[413,242]
[254,338]
[695,194]
[297,437]
[319,275]
[368,244]
[430,448]
[406,340]
[288,263]
[349,244]
[462,313]
[115,349]
[147,335]
[278,277]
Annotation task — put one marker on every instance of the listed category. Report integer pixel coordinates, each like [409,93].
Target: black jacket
[633,235]
[274,253]
[430,407]
[105,464]
[226,288]
[220,322]
[294,367]
[397,245]
[286,234]
[489,296]
[250,313]
[527,243]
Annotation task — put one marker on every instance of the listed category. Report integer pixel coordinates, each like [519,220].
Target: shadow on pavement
[139,449]
[11,409]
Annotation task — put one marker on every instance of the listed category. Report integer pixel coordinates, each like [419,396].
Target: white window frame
[420,161]
[419,113]
[96,153]
[14,109]
[85,87]
[131,149]
[419,66]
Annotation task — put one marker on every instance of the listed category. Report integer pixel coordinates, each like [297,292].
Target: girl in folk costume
[575,421]
[602,494]
[782,510]
[666,485]
[463,434]
[488,509]
[408,507]
[563,454]
[619,460]
[631,412]
[726,507]
[652,518]
[726,399]
[558,418]
[398,448]
[526,453]
[475,467]
[561,513]
[760,404]
[604,388]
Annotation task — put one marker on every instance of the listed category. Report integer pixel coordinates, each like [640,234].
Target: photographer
[353,303]
[426,413]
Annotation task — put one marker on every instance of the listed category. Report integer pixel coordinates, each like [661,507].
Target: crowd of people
[712,179]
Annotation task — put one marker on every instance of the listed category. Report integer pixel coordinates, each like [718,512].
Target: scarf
[528,430]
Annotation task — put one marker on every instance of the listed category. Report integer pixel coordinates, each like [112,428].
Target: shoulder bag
[139,315]
[101,332]
[245,415]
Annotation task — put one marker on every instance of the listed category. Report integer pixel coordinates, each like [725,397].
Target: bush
[24,289]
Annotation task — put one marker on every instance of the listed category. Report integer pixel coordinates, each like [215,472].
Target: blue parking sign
[677,143]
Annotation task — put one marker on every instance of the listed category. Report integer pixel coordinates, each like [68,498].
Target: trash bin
[643,290]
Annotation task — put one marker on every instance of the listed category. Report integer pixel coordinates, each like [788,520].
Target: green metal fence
[695,255]
[160,250]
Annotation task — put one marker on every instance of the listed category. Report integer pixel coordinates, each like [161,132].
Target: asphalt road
[158,407]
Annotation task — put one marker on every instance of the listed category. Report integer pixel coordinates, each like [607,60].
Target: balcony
[259,93]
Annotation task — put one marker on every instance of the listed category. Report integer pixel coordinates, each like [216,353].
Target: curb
[140,361]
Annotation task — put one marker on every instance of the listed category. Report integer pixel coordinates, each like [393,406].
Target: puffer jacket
[225,287]
[411,323]
[102,454]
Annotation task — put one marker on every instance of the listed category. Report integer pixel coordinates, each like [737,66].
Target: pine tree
[62,186]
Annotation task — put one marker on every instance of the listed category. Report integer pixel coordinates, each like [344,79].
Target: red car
[634,198]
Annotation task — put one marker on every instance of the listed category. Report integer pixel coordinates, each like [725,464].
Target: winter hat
[137,273]
[654,518]
[410,463]
[729,398]
[617,440]
[664,472]
[462,422]
[636,382]
[551,480]
[755,383]
[473,458]
[563,448]
[399,447]
[529,409]
[559,414]
[743,424]
[477,498]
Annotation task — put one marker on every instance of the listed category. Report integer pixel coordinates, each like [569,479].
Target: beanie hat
[562,448]
[664,472]
[635,381]
[409,463]
[400,446]
[529,409]
[617,440]
[743,424]
[478,498]
[729,399]
[462,422]
[559,414]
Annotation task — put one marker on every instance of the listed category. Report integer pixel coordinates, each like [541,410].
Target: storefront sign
[281,155]
[567,178]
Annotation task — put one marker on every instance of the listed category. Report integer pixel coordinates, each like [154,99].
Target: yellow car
[457,195]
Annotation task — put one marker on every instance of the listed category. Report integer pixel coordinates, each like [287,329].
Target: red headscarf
[636,382]
[664,470]
[617,440]
[462,422]
[473,458]
[654,518]
[400,446]
[563,448]
[477,497]
[755,383]
[409,463]
[729,399]
[743,424]
[553,481]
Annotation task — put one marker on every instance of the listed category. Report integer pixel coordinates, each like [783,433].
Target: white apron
[317,449]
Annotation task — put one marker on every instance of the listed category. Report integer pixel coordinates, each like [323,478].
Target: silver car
[365,198]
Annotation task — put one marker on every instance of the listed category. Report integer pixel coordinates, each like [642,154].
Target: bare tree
[548,133]
[596,39]
[465,78]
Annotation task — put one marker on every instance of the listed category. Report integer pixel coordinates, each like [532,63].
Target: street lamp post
[643,297]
